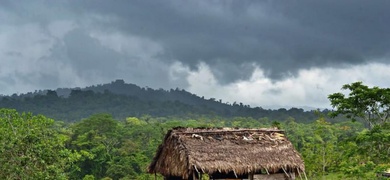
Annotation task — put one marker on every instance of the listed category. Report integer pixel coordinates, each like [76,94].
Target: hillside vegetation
[120,144]
[123,100]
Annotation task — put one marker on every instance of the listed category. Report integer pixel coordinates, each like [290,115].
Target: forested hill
[123,100]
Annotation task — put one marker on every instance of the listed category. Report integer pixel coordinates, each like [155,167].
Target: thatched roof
[223,150]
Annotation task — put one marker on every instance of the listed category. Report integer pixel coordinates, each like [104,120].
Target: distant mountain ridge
[123,100]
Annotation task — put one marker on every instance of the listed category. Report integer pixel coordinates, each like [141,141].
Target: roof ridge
[212,131]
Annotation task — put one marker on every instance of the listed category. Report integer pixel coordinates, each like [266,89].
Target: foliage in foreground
[35,147]
[31,148]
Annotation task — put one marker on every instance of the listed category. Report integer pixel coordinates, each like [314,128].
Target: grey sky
[168,44]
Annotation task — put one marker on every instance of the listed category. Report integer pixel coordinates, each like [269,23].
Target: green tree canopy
[30,148]
[370,104]
[97,137]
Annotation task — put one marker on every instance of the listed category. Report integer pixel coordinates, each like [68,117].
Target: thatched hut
[227,153]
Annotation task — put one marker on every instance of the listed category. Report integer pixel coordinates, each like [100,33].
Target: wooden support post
[251,176]
[299,173]
[286,172]
[235,174]
[304,173]
[267,171]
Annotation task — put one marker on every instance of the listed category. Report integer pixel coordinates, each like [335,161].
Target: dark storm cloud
[230,36]
[88,57]
[91,60]
[280,36]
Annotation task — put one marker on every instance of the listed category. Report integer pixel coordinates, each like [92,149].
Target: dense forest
[123,100]
[110,145]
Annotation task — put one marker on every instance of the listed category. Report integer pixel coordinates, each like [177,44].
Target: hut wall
[278,176]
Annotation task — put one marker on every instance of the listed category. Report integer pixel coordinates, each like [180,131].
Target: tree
[366,153]
[97,138]
[319,148]
[369,104]
[30,148]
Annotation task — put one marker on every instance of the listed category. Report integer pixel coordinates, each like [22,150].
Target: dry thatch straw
[224,150]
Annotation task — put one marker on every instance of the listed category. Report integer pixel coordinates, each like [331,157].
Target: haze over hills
[123,100]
